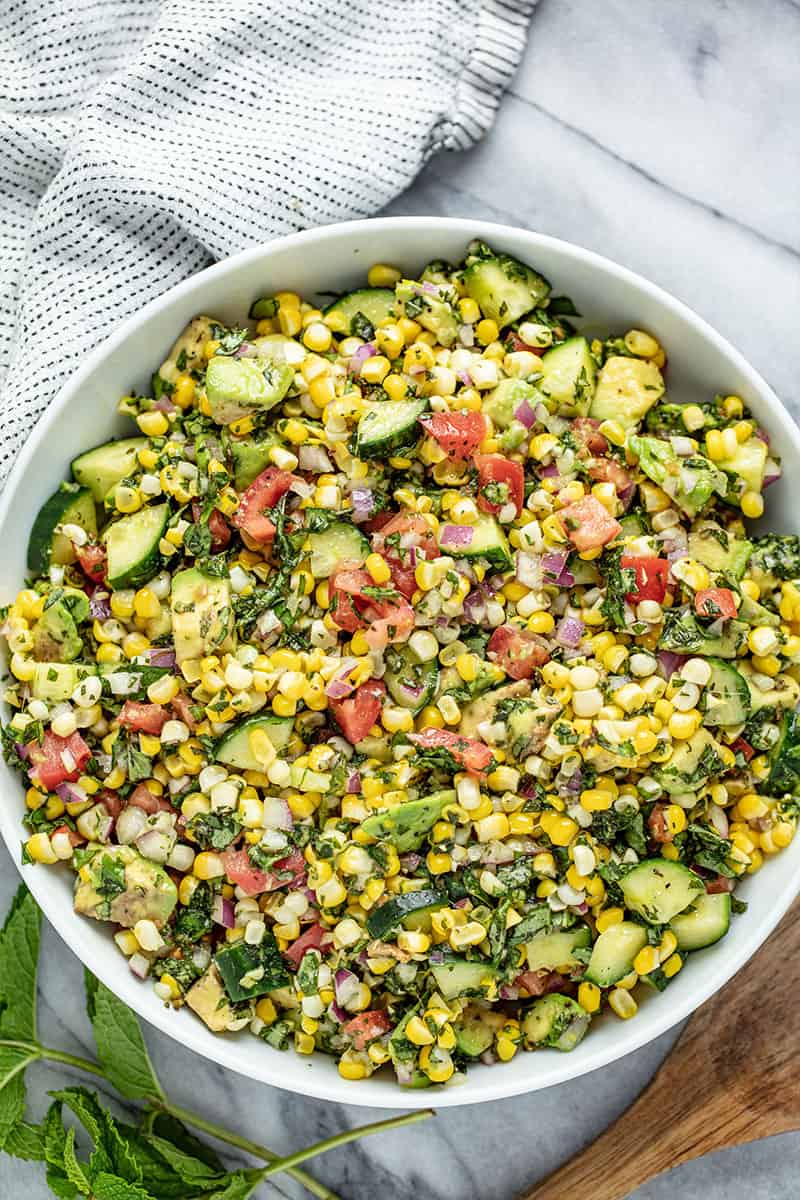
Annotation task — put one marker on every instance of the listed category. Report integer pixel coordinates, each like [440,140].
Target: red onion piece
[762,434]
[139,965]
[719,819]
[410,861]
[223,912]
[548,472]
[99,604]
[465,378]
[569,631]
[71,793]
[508,992]
[314,459]
[525,414]
[363,503]
[554,564]
[22,750]
[345,985]
[456,535]
[354,782]
[161,656]
[361,355]
[338,1013]
[670,662]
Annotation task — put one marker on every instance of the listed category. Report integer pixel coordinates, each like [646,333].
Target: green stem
[350,1135]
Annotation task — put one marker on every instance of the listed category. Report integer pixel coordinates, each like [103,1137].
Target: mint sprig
[157,1158]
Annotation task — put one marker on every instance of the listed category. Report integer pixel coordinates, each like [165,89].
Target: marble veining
[661,135]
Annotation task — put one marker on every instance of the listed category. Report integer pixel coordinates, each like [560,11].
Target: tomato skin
[608,470]
[539,983]
[652,576]
[470,753]
[142,797]
[588,524]
[459,434]
[144,718]
[586,431]
[263,493]
[253,881]
[659,826]
[355,715]
[182,707]
[366,1027]
[390,622]
[414,529]
[217,526]
[93,561]
[386,621]
[518,651]
[312,939]
[745,747]
[345,584]
[48,769]
[715,602]
[495,468]
[515,343]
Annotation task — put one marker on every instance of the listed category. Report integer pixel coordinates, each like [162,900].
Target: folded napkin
[141,141]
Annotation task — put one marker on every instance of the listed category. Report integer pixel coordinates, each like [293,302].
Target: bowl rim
[267,1069]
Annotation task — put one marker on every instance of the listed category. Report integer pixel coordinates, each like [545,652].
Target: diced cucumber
[382,920]
[556,1021]
[102,468]
[458,977]
[658,889]
[202,616]
[406,824]
[340,542]
[704,923]
[307,780]
[234,749]
[70,505]
[552,951]
[435,311]
[132,546]
[719,550]
[627,388]
[248,971]
[683,633]
[505,288]
[250,456]
[475,1030]
[568,376]
[613,953]
[57,681]
[412,684]
[241,387]
[387,426]
[487,541]
[363,309]
[726,697]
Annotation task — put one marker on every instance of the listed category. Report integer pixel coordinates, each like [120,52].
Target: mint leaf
[19,953]
[73,1169]
[164,1125]
[13,1061]
[59,1184]
[26,1141]
[238,1186]
[111,1187]
[193,1172]
[111,1153]
[120,1045]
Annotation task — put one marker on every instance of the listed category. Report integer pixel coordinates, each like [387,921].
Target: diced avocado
[250,456]
[132,546]
[756,614]
[784,692]
[528,724]
[55,681]
[187,353]
[125,888]
[568,376]
[304,779]
[76,601]
[503,401]
[401,909]
[242,387]
[55,635]
[249,971]
[70,505]
[747,464]
[460,977]
[556,1021]
[690,482]
[626,389]
[556,950]
[434,309]
[665,419]
[719,550]
[476,1029]
[234,748]
[405,825]
[102,468]
[691,764]
[684,634]
[485,707]
[482,538]
[279,348]
[504,288]
[202,616]
[207,998]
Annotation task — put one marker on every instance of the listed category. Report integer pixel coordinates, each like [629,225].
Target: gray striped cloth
[142,140]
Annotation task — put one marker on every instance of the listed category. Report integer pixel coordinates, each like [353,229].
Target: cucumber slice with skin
[568,376]
[233,748]
[389,915]
[412,684]
[406,824]
[613,953]
[387,426]
[132,546]
[551,951]
[505,288]
[338,543]
[704,923]
[70,505]
[366,307]
[475,1030]
[101,469]
[239,963]
[556,1021]
[727,696]
[458,977]
[658,889]
[241,387]
[483,538]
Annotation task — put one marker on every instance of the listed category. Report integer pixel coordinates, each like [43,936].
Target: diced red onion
[456,535]
[670,662]
[554,564]
[277,814]
[354,782]
[462,903]
[465,378]
[71,793]
[341,684]
[719,819]
[338,1013]
[772,472]
[360,357]
[245,350]
[99,606]
[410,861]
[22,750]
[466,335]
[762,434]
[164,405]
[431,288]
[161,656]
[488,1058]
[404,1073]
[508,992]
[548,472]
[139,965]
[223,912]
[569,631]
[525,414]
[346,986]
[314,459]
[363,503]
[475,606]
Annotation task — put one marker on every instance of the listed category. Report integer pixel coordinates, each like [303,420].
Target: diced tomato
[287,872]
[652,575]
[721,884]
[263,494]
[587,434]
[404,540]
[93,561]
[217,526]
[659,826]
[746,749]
[539,983]
[500,482]
[608,470]
[389,623]
[352,608]
[515,343]
[142,797]
[312,939]
[469,753]
[182,708]
[57,760]
[144,718]
[75,838]
[111,801]
[518,651]
[355,715]
[366,1027]
[714,603]
[347,582]
[459,434]
[588,524]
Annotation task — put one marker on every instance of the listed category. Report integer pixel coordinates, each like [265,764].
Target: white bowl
[614,299]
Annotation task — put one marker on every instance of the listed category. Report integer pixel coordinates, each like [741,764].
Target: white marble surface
[662,135]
